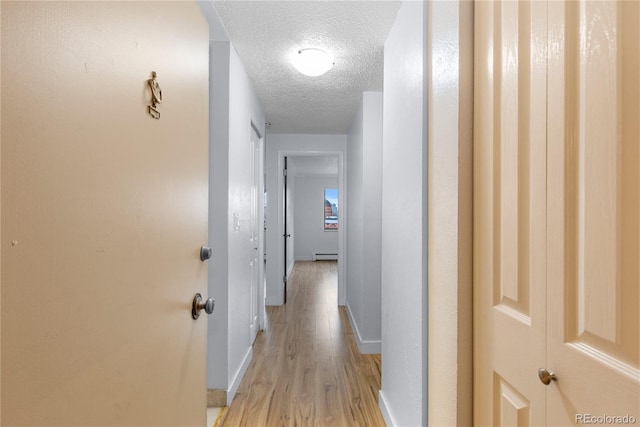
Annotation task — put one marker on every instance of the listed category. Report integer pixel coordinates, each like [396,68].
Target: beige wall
[450,124]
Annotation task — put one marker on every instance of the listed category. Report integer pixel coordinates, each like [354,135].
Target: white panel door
[593,211]
[557,217]
[104,210]
[509,209]
[254,263]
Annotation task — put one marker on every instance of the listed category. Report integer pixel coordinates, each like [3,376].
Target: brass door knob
[546,376]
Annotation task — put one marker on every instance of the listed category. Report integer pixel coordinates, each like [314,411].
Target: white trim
[389,419]
[365,347]
[235,383]
[290,269]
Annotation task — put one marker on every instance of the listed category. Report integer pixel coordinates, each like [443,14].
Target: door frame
[342,202]
[258,165]
[285,235]
[448,95]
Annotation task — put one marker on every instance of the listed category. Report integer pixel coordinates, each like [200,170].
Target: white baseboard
[323,256]
[290,269]
[233,387]
[365,347]
[384,409]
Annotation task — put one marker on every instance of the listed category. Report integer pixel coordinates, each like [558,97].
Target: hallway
[306,368]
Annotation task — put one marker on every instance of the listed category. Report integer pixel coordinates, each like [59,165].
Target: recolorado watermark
[605,419]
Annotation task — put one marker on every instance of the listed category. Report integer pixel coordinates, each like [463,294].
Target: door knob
[546,376]
[198,305]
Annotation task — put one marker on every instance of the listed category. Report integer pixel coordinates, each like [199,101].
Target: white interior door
[509,210]
[287,212]
[104,209]
[254,263]
[593,256]
[557,219]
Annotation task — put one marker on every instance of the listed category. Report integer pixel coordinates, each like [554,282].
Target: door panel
[513,409]
[288,228]
[104,210]
[254,265]
[594,194]
[509,211]
[591,237]
[285,234]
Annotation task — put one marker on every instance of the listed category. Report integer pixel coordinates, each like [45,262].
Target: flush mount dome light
[312,61]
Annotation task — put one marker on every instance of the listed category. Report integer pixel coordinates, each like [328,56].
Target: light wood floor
[306,368]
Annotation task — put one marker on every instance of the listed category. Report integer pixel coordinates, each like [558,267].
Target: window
[330,209]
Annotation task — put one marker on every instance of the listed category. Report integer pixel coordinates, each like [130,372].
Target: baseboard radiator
[323,256]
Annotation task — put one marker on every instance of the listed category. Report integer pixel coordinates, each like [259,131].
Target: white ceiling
[265,33]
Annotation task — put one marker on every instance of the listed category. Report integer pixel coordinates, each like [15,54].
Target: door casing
[342,232]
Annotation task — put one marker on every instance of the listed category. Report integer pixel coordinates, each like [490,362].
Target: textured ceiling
[266,33]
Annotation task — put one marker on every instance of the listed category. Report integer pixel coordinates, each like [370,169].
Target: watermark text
[605,419]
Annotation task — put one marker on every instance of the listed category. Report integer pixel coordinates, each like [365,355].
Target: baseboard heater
[321,256]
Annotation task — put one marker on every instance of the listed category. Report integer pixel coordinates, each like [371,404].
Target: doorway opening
[303,214]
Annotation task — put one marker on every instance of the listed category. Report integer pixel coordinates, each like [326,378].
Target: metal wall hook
[156,91]
[156,96]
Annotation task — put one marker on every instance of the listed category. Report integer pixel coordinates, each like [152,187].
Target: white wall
[364,189]
[310,236]
[277,146]
[234,108]
[404,232]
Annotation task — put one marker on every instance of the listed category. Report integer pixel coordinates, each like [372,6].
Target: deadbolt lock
[205,253]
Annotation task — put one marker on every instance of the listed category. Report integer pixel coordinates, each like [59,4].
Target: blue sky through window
[331,194]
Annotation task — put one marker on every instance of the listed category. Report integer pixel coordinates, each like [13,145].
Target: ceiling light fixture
[312,61]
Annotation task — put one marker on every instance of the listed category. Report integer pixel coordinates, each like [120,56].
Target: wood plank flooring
[306,369]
